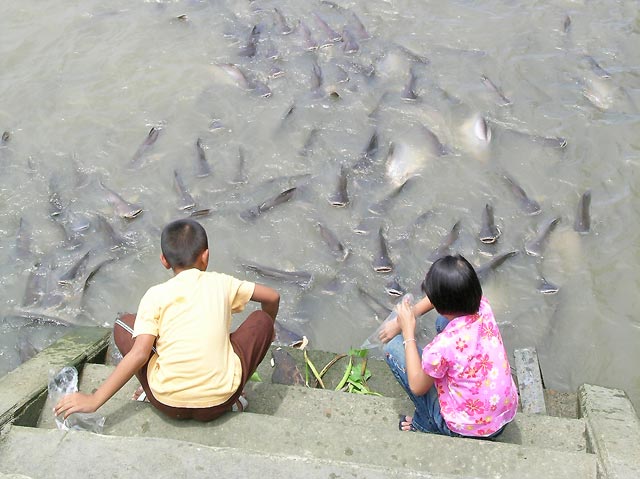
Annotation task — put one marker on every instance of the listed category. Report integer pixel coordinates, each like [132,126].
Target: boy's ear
[205,257]
[164,261]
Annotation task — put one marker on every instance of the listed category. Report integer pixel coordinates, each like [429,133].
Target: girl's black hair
[182,241]
[452,286]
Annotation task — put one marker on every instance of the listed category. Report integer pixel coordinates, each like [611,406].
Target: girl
[462,384]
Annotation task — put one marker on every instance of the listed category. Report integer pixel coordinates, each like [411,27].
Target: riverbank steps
[295,430]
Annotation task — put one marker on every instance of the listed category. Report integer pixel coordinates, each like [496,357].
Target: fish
[350,43]
[435,146]
[408,92]
[332,35]
[536,246]
[605,95]
[476,134]
[285,336]
[149,141]
[200,213]
[26,349]
[36,286]
[335,245]
[6,136]
[378,308]
[367,225]
[275,71]
[241,174]
[186,201]
[309,43]
[566,24]
[360,29]
[381,261]
[122,208]
[249,49]
[546,287]
[24,240]
[76,268]
[55,202]
[404,162]
[301,278]
[114,239]
[316,79]
[268,204]
[381,207]
[484,270]
[489,232]
[202,166]
[503,100]
[582,223]
[283,26]
[235,73]
[596,68]
[285,369]
[446,243]
[368,154]
[307,148]
[546,141]
[73,234]
[340,197]
[529,206]
[393,288]
[333,286]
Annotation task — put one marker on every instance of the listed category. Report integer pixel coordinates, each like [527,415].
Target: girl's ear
[164,261]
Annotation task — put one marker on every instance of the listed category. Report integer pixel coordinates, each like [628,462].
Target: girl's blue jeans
[426,417]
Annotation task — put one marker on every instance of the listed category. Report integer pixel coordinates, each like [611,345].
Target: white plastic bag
[373,341]
[65,382]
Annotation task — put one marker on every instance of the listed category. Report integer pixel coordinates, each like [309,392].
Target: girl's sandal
[406,424]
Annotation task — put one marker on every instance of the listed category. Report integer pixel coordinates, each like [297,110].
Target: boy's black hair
[182,241]
[452,286]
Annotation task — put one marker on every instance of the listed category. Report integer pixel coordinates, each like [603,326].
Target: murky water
[82,85]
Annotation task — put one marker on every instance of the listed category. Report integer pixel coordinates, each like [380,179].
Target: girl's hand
[389,331]
[76,402]
[406,319]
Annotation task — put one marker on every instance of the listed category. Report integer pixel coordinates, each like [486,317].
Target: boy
[197,369]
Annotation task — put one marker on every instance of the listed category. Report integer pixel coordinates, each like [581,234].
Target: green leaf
[359,353]
[255,377]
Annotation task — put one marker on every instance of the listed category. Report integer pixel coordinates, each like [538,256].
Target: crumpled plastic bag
[65,382]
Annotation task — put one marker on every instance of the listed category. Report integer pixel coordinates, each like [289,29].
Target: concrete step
[330,426]
[306,404]
[63,455]
[367,444]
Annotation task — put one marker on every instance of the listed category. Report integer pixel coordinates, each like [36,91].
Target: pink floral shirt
[472,374]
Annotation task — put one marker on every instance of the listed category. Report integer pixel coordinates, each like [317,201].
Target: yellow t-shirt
[195,364]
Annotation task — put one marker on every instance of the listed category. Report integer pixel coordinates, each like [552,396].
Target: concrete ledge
[23,391]
[613,431]
[63,455]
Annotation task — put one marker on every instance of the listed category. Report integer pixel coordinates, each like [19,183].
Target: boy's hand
[406,319]
[76,402]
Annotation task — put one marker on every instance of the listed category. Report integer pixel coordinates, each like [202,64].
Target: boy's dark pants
[250,342]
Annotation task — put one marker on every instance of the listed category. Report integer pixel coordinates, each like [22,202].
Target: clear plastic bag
[65,382]
[373,341]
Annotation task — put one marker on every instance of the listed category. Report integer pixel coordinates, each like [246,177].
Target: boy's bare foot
[406,424]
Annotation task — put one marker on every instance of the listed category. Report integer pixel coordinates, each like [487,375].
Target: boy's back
[190,314]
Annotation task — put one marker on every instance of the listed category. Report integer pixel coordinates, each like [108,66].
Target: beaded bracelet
[404,343]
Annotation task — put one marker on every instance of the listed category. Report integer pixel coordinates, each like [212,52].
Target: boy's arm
[269,299]
[130,364]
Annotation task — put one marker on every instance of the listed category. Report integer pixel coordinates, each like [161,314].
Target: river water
[83,84]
